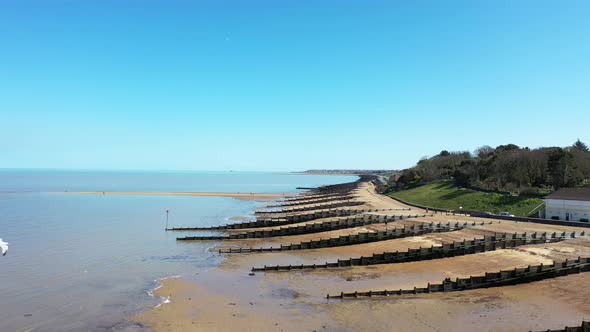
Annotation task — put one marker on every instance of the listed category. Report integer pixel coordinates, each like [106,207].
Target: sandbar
[238,195]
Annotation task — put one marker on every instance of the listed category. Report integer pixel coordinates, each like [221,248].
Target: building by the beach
[569,204]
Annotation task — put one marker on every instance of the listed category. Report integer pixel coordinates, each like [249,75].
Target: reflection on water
[84,262]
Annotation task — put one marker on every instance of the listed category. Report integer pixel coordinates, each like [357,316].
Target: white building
[570,204]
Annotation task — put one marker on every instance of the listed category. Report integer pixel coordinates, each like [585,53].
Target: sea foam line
[150,292]
[164,301]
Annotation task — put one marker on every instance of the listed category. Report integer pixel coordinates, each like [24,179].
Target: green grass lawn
[443,195]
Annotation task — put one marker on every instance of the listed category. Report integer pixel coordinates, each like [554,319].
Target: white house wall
[559,207]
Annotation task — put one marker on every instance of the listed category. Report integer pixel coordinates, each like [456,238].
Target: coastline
[229,298]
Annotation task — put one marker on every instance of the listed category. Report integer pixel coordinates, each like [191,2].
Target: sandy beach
[294,166]
[228,298]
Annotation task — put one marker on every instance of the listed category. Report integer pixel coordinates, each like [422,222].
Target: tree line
[507,168]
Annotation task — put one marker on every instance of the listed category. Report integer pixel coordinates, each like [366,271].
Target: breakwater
[325,226]
[311,197]
[307,202]
[286,220]
[451,249]
[313,207]
[363,237]
[585,327]
[516,276]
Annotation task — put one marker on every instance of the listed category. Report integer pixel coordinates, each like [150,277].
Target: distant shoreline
[326,174]
[344,172]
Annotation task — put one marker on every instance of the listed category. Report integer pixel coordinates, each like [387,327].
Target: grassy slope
[443,195]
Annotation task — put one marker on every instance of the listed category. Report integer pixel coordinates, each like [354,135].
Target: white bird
[3,247]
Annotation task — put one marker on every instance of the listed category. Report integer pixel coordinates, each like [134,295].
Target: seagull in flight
[3,247]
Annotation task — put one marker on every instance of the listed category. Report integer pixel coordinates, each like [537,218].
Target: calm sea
[85,262]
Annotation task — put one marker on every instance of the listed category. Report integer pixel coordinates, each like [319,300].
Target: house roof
[571,194]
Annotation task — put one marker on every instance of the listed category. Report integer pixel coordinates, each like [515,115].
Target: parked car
[506,214]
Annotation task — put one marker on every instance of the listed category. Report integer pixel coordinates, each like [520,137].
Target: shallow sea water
[85,262]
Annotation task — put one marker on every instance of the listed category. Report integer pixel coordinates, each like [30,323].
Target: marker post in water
[167,212]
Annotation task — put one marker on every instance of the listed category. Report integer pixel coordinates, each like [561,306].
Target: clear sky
[286,85]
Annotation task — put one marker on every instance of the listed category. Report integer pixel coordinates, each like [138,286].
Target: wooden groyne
[324,206]
[328,191]
[458,248]
[337,188]
[490,279]
[349,222]
[308,202]
[285,220]
[364,237]
[308,197]
[585,327]
[343,187]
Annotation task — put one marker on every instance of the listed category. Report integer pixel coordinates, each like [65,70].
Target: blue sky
[286,85]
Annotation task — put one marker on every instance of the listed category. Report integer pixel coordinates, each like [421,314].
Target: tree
[581,146]
[484,151]
[505,168]
[444,153]
[507,147]
[466,175]
[558,166]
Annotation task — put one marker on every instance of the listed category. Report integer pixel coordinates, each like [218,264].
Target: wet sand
[222,301]
[229,299]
